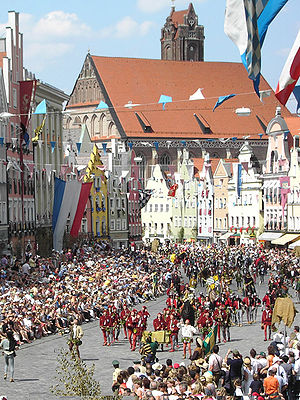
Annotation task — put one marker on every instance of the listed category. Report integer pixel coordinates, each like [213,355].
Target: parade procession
[150,200]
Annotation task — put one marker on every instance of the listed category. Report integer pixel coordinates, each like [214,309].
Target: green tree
[74,377]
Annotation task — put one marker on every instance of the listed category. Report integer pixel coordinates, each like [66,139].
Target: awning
[289,237]
[294,244]
[225,236]
[268,236]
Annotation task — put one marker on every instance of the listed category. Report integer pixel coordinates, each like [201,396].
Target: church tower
[182,39]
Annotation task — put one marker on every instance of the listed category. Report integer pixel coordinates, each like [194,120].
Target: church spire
[172,5]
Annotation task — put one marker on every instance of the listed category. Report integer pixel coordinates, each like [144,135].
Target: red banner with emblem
[27,92]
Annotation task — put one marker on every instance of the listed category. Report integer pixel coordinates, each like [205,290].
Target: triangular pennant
[40,142]
[41,108]
[221,100]
[52,146]
[197,95]
[78,145]
[164,99]
[245,166]
[102,106]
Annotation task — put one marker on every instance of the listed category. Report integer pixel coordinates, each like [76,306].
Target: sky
[58,34]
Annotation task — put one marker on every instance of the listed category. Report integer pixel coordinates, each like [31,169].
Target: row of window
[15,210]
[243,221]
[118,225]
[294,223]
[188,222]
[221,223]
[190,203]
[157,207]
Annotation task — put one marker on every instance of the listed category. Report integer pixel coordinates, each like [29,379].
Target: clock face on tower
[191,21]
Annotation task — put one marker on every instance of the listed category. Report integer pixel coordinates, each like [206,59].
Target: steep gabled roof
[2,55]
[293,124]
[142,81]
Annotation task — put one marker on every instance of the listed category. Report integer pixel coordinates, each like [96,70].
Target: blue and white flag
[246,24]
[221,100]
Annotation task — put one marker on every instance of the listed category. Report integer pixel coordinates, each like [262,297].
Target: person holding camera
[9,346]
[235,366]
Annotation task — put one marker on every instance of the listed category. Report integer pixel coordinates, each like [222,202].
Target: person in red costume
[105,323]
[159,324]
[132,323]
[266,321]
[173,327]
[123,316]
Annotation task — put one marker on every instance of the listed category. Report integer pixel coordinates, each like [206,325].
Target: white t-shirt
[188,331]
[25,269]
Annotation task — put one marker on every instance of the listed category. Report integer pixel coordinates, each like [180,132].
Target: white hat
[157,366]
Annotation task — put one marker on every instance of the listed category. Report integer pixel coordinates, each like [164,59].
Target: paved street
[35,363]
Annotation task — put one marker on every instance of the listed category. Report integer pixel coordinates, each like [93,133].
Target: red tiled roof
[2,55]
[177,17]
[86,104]
[198,166]
[293,124]
[142,81]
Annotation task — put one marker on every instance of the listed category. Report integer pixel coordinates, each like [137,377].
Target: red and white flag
[290,73]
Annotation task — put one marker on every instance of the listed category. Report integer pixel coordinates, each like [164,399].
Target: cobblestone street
[36,363]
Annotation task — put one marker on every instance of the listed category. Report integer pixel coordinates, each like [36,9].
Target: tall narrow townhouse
[245,199]
[222,175]
[3,166]
[184,203]
[19,158]
[157,217]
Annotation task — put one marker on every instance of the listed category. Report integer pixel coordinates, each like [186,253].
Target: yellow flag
[38,130]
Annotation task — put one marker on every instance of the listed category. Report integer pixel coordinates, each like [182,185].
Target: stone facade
[182,39]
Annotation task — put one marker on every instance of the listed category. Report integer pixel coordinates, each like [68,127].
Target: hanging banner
[285,189]
[239,180]
[27,92]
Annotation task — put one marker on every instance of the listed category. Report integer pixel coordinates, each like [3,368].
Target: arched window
[68,123]
[168,53]
[165,160]
[111,129]
[93,126]
[101,124]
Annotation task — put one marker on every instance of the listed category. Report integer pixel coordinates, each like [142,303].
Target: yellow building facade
[95,172]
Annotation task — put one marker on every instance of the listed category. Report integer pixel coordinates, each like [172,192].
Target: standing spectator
[235,363]
[247,375]
[215,364]
[271,384]
[9,346]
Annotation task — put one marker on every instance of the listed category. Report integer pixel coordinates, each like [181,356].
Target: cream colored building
[245,198]
[157,214]
[184,204]
[293,201]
